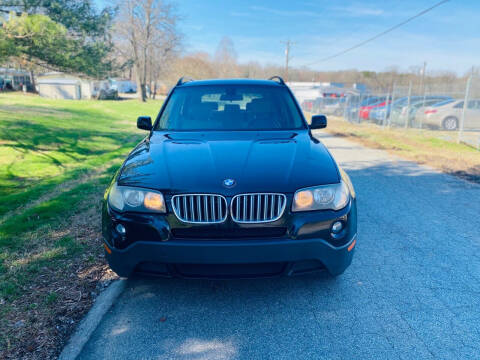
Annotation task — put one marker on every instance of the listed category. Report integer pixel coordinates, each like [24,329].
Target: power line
[378,35]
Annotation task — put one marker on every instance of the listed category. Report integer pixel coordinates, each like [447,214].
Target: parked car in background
[364,111]
[421,103]
[378,114]
[447,115]
[107,94]
[420,113]
[399,109]
[418,101]
[329,105]
[355,103]
[307,105]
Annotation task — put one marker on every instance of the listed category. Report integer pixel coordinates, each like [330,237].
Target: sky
[447,38]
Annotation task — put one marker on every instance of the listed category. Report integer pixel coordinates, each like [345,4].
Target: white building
[305,90]
[314,90]
[14,79]
[63,86]
[123,86]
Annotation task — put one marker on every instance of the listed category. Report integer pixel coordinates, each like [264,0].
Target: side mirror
[318,122]
[144,123]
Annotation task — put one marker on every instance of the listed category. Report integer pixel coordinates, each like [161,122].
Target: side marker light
[352,245]
[107,249]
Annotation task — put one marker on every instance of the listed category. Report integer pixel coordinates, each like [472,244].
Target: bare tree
[145,33]
[160,57]
[197,65]
[226,58]
[202,65]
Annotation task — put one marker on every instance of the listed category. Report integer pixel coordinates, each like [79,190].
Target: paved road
[412,292]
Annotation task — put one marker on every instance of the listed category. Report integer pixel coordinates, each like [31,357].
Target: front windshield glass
[230,107]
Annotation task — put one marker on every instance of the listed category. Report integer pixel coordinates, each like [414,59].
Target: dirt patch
[39,323]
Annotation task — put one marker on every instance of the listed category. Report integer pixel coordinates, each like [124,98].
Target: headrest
[231,108]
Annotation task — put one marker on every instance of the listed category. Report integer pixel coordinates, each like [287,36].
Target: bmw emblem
[228,183]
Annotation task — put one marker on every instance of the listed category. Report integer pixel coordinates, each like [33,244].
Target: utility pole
[422,84]
[408,103]
[423,90]
[288,44]
[465,106]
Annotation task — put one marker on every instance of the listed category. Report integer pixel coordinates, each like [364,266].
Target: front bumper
[306,246]
[289,256]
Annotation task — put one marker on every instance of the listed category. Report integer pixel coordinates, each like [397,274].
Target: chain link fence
[452,110]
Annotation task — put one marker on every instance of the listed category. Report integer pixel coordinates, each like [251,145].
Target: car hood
[257,161]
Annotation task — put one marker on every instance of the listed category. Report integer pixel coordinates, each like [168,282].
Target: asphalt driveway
[412,291]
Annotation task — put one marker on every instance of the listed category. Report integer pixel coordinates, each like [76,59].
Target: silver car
[330,106]
[447,115]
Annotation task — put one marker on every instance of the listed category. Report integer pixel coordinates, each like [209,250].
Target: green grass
[56,156]
[433,148]
[51,298]
[44,143]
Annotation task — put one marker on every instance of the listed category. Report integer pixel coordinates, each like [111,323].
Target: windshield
[230,107]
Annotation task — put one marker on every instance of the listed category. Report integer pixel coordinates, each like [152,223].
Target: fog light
[121,229]
[337,227]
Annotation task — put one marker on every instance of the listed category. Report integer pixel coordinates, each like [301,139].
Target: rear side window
[443,103]
[230,107]
[369,101]
[472,104]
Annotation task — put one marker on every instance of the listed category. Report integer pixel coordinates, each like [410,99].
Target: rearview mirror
[144,123]
[318,122]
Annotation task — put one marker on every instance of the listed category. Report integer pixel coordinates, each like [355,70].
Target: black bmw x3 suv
[229,182]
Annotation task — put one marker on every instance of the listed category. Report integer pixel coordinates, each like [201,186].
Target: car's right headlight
[324,197]
[128,198]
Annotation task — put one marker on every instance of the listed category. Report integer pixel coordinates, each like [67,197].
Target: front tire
[450,123]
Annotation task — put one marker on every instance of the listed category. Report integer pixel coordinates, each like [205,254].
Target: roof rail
[278,79]
[183,80]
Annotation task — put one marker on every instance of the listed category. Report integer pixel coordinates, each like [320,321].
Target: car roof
[230,82]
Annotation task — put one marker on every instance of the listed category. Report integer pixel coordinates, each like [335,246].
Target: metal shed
[60,88]
[64,86]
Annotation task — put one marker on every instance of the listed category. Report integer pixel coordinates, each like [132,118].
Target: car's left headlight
[324,197]
[127,198]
